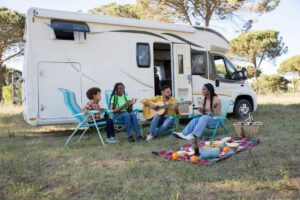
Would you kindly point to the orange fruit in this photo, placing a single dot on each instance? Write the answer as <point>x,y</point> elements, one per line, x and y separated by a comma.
<point>175,156</point>
<point>226,149</point>
<point>194,159</point>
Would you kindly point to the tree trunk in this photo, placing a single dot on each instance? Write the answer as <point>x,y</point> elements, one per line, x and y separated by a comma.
<point>1,81</point>
<point>293,82</point>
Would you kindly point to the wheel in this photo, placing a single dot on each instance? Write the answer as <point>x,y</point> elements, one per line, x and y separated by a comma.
<point>242,108</point>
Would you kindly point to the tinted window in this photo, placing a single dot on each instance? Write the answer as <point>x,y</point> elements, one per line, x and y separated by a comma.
<point>180,64</point>
<point>64,30</point>
<point>143,55</point>
<point>198,63</point>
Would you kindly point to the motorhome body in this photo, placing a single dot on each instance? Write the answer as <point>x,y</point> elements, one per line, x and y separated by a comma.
<point>77,51</point>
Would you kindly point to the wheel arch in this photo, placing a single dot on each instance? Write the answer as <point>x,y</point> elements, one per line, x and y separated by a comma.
<point>246,97</point>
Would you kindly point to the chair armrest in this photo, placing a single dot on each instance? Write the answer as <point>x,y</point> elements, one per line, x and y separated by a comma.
<point>79,114</point>
<point>191,116</point>
<point>218,117</point>
<point>137,110</point>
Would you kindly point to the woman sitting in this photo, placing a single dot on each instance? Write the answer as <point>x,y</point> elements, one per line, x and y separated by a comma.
<point>122,107</point>
<point>210,107</point>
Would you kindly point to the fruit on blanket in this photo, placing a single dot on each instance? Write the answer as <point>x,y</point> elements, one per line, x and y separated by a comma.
<point>194,159</point>
<point>226,149</point>
<point>175,156</point>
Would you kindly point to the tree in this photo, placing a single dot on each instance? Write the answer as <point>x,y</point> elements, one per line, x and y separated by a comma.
<point>198,11</point>
<point>291,65</point>
<point>270,84</point>
<point>114,9</point>
<point>255,46</point>
<point>144,9</point>
<point>12,25</point>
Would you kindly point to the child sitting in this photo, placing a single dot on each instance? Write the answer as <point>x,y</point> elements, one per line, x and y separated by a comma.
<point>94,95</point>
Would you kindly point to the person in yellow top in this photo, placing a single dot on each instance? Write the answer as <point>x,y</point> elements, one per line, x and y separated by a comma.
<point>160,123</point>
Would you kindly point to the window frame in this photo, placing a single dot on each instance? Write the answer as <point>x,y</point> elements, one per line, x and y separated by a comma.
<point>70,27</point>
<point>225,59</point>
<point>137,53</point>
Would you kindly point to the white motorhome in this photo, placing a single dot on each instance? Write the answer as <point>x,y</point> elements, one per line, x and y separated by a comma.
<point>77,51</point>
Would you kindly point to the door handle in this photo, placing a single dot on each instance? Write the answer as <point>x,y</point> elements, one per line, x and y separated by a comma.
<point>217,82</point>
<point>189,78</point>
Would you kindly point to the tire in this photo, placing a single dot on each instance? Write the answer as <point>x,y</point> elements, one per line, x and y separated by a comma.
<point>242,108</point>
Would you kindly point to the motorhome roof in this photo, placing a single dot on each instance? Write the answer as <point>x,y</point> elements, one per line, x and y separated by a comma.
<point>76,16</point>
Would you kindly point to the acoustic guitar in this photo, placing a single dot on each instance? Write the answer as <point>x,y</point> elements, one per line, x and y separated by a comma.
<point>160,108</point>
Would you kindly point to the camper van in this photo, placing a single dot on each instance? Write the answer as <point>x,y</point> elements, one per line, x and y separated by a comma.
<point>76,51</point>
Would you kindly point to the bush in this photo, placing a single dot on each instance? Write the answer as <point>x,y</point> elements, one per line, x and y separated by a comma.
<point>267,84</point>
<point>8,96</point>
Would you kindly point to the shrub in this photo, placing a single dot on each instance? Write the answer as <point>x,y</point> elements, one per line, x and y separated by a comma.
<point>270,84</point>
<point>8,96</point>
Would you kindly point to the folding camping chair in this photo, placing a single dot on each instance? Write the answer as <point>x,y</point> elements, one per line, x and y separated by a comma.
<point>81,118</point>
<point>213,130</point>
<point>120,122</point>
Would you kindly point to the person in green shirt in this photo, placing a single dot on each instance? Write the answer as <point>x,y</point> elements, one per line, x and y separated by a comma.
<point>122,107</point>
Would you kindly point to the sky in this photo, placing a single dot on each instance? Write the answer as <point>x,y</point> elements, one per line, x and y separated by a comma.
<point>285,19</point>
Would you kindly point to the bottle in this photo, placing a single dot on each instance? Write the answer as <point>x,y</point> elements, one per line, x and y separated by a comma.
<point>196,147</point>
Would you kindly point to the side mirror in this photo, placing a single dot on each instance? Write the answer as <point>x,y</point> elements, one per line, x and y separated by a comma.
<point>217,82</point>
<point>244,73</point>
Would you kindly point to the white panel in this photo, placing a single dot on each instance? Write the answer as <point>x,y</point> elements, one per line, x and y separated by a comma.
<point>54,75</point>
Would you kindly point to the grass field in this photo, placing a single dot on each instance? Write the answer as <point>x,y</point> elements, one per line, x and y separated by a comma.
<point>34,164</point>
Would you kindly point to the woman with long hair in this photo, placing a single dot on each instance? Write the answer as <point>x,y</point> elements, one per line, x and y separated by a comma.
<point>122,107</point>
<point>211,107</point>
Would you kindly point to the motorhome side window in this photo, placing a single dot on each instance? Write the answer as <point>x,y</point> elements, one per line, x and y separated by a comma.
<point>224,68</point>
<point>143,55</point>
<point>68,30</point>
<point>198,63</point>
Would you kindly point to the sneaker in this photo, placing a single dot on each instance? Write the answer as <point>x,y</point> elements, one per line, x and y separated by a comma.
<point>149,137</point>
<point>185,137</point>
<point>110,140</point>
<point>115,139</point>
<point>178,135</point>
<point>189,137</point>
<point>131,139</point>
<point>139,138</point>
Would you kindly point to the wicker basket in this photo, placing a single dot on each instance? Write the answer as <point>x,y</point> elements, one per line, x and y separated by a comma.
<point>247,129</point>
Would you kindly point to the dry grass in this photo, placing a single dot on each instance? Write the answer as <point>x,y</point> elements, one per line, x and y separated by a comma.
<point>35,165</point>
<point>282,99</point>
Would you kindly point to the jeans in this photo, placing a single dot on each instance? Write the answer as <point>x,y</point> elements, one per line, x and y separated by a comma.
<point>110,130</point>
<point>130,120</point>
<point>198,125</point>
<point>159,124</point>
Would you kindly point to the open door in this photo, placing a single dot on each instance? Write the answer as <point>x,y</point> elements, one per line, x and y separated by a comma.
<point>182,89</point>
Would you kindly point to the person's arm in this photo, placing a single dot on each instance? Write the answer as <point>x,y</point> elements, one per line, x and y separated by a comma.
<point>86,108</point>
<point>148,102</point>
<point>200,108</point>
<point>217,106</point>
<point>116,110</point>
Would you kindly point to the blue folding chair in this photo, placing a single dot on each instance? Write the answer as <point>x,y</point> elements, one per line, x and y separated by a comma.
<point>213,130</point>
<point>81,118</point>
<point>120,122</point>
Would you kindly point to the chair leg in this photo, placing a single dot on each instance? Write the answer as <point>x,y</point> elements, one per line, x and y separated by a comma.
<point>141,128</point>
<point>82,135</point>
<point>77,128</point>
<point>224,127</point>
<point>98,130</point>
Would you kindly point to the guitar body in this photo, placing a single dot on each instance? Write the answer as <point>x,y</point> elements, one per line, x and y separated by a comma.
<point>149,113</point>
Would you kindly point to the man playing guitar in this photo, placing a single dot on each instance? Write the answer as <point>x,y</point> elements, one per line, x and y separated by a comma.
<point>160,123</point>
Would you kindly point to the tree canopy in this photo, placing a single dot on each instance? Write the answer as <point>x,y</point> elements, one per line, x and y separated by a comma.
<point>290,65</point>
<point>256,46</point>
<point>12,25</point>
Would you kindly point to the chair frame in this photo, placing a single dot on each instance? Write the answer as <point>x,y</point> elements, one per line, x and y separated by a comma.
<point>83,122</point>
<point>213,130</point>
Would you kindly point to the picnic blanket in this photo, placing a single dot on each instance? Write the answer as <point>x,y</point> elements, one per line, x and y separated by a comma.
<point>225,147</point>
